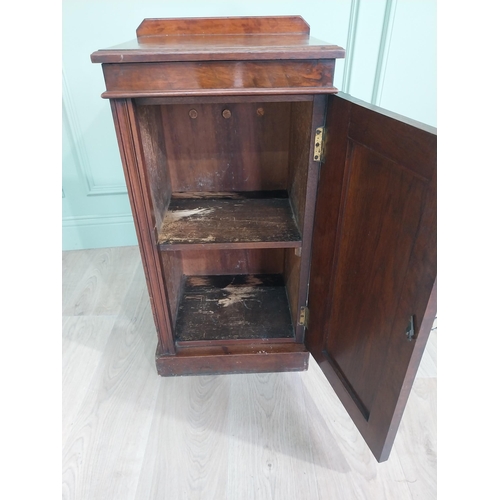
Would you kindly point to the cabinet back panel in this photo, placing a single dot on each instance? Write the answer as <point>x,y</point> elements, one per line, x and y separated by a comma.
<point>254,261</point>
<point>245,151</point>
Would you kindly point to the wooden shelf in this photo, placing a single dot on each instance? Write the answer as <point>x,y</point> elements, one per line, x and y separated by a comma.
<point>233,308</point>
<point>229,221</point>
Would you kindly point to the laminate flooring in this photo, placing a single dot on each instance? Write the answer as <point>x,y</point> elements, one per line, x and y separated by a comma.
<point>129,434</point>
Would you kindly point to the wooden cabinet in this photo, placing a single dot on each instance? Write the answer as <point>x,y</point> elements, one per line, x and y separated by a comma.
<point>276,217</point>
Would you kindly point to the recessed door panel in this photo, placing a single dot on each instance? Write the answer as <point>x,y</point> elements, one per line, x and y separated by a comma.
<point>374,262</point>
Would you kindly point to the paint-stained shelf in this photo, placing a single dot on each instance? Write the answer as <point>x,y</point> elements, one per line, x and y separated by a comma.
<point>261,219</point>
<point>232,308</point>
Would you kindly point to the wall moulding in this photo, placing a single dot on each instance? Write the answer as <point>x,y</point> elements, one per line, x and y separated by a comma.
<point>383,53</point>
<point>80,149</point>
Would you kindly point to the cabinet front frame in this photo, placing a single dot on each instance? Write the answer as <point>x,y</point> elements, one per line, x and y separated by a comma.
<point>310,110</point>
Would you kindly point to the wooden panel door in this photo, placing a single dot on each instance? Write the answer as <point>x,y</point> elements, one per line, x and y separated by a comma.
<point>372,288</point>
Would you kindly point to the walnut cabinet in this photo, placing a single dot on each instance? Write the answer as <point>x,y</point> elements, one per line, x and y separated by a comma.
<point>276,217</point>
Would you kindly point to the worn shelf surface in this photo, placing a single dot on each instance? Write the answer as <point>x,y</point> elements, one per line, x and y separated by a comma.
<point>233,307</point>
<point>229,220</point>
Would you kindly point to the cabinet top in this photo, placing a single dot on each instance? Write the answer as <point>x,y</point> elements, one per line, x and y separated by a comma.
<point>220,38</point>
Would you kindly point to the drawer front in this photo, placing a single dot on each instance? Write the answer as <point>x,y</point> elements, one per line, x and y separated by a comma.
<point>213,77</point>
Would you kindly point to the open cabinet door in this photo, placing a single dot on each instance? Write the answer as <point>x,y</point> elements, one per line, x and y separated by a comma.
<point>372,296</point>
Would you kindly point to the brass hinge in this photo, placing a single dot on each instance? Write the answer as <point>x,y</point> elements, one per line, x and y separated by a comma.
<point>318,144</point>
<point>304,317</point>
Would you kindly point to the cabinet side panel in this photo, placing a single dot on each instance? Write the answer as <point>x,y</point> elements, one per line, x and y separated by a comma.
<point>139,193</point>
<point>292,279</point>
<point>300,133</point>
<point>173,279</point>
<point>153,145</point>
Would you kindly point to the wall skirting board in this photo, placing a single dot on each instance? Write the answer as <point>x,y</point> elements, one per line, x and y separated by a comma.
<point>100,231</point>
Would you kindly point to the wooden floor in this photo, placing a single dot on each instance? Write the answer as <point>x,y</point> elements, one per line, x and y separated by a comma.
<point>130,434</point>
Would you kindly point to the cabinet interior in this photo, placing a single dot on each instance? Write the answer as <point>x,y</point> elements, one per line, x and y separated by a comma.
<point>227,184</point>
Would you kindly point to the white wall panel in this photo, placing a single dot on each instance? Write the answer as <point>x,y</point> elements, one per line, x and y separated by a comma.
<point>409,81</point>
<point>365,26</point>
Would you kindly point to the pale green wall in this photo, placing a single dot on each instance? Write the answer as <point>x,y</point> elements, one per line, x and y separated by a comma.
<point>391,62</point>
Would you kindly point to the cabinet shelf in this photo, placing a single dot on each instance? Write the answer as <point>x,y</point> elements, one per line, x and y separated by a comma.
<point>229,221</point>
<point>233,307</point>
